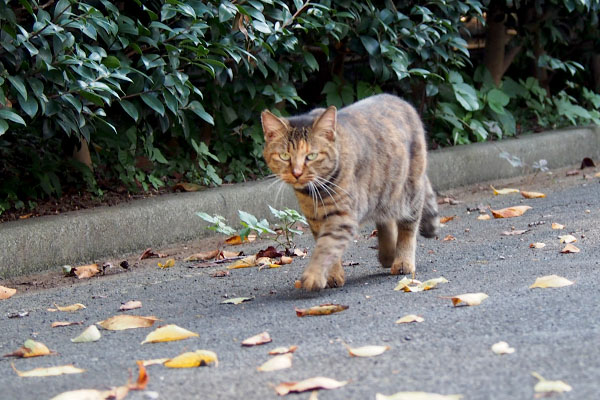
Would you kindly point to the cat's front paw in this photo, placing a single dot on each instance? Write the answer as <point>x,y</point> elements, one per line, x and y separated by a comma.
<point>336,276</point>
<point>402,268</point>
<point>313,280</point>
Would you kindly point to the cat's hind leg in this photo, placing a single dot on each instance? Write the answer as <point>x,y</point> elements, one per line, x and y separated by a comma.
<point>430,221</point>
<point>404,261</point>
<point>387,236</point>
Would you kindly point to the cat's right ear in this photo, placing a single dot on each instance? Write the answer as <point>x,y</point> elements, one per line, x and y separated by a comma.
<point>273,126</point>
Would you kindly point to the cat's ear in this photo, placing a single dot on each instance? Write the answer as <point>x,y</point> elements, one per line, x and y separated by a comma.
<point>325,125</point>
<point>272,125</point>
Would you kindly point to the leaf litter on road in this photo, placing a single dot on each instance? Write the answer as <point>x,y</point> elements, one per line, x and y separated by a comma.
<point>502,348</point>
<point>319,382</point>
<point>69,308</point>
<point>503,191</point>
<point>87,271</point>
<point>130,305</point>
<point>510,212</point>
<point>570,248</point>
<point>6,293</point>
<point>193,359</point>
<point>49,371</point>
<point>413,285</point>
<point>557,226</point>
<point>261,338</point>
<point>366,351</point>
<point>283,350</point>
<point>276,363</point>
<point>567,239</point>
<point>168,333</point>
<point>537,245</point>
<point>30,348</point>
<point>545,386</point>
<point>126,321</point>
<point>237,300</point>
<point>467,299</point>
<point>323,309</point>
<point>551,281</point>
<point>409,318</point>
<point>532,195</point>
<point>90,334</point>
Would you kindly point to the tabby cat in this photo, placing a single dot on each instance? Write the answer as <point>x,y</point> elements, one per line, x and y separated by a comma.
<point>364,162</point>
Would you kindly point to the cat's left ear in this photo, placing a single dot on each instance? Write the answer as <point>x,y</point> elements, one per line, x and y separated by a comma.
<point>325,125</point>
<point>272,125</point>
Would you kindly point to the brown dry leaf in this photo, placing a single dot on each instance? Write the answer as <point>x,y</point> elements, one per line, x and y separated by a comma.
<point>142,380</point>
<point>502,348</point>
<point>87,271</point>
<point>276,363</point>
<point>148,253</point>
<point>515,232</point>
<point>30,348</point>
<point>5,292</point>
<point>91,334</point>
<point>300,253</point>
<point>572,172</point>
<point>556,225</point>
<point>367,351</point>
<point>449,238</point>
<point>323,309</point>
<point>443,220</point>
<point>570,248</point>
<point>193,359</point>
<point>418,396</point>
<point>318,382</point>
<point>130,305</point>
<point>567,239</point>
<point>245,262</point>
<point>187,187</point>
<point>255,340</point>
<point>58,324</point>
<point>410,318</point>
<point>220,274</point>
<point>413,285</point>
<point>484,217</point>
<point>270,252</point>
<point>237,239</point>
<point>168,264</point>
<point>266,262</point>
<point>546,386</point>
<point>284,260</point>
<point>537,245</point>
<point>469,299</point>
<point>298,284</point>
<point>50,371</point>
<point>203,256</point>
<point>503,191</point>
<point>168,333</point>
<point>125,321</point>
<point>532,195</point>
<point>551,281</point>
<point>510,212</point>
<point>283,350</point>
<point>225,254</point>
<point>71,308</point>
<point>237,300</point>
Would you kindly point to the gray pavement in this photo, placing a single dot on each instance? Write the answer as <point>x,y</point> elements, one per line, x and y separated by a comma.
<point>555,332</point>
<point>73,238</point>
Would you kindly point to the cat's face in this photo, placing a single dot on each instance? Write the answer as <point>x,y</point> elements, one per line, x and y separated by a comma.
<point>301,155</point>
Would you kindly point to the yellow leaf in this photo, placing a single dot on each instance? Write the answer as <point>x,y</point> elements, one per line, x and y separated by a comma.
<point>203,256</point>
<point>130,305</point>
<point>510,212</point>
<point>323,309</point>
<point>237,300</point>
<point>276,363</point>
<point>91,334</point>
<point>319,382</point>
<point>5,292</point>
<point>50,371</point>
<point>367,351</point>
<point>551,281</point>
<point>410,318</point>
<point>187,186</point>
<point>86,271</point>
<point>567,239</point>
<point>413,285</point>
<point>503,191</point>
<point>168,333</point>
<point>125,321</point>
<point>117,393</point>
<point>168,264</point>
<point>245,262</point>
<point>30,348</point>
<point>556,225</point>
<point>237,239</point>
<point>418,396</point>
<point>255,340</point>
<point>484,217</point>
<point>282,350</point>
<point>58,324</point>
<point>569,248</point>
<point>532,195</point>
<point>502,348</point>
<point>193,359</point>
<point>154,361</point>
<point>469,299</point>
<point>537,245</point>
<point>71,308</point>
<point>546,386</point>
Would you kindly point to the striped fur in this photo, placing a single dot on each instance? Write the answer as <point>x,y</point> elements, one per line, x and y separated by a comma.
<point>364,162</point>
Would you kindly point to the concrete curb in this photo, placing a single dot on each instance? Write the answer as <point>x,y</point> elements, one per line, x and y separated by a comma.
<point>78,237</point>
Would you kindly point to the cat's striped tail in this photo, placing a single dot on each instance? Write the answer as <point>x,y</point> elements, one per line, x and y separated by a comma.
<point>430,221</point>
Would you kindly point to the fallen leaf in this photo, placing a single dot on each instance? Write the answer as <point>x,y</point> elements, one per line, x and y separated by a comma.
<point>117,393</point>
<point>410,318</point>
<point>255,340</point>
<point>125,321</point>
<point>30,348</point>
<point>50,371</point>
<point>532,195</point>
<point>5,292</point>
<point>443,220</point>
<point>449,238</point>
<point>192,359</point>
<point>142,380</point>
<point>237,300</point>
<point>572,173</point>
<point>19,314</point>
<point>504,191</point>
<point>168,333</point>
<point>418,396</point>
<point>515,232</point>
<point>367,351</point>
<point>469,299</point>
<point>546,386</point>
<point>284,260</point>
<point>318,382</point>
<point>551,281</point>
<point>148,253</point>
<point>266,262</point>
<point>203,256</point>
<point>130,305</point>
<point>510,212</point>
<point>314,395</point>
<point>154,361</point>
<point>276,363</point>
<point>597,175</point>
<point>237,239</point>
<point>168,264</point>
<point>282,350</point>
<point>556,225</point>
<point>58,324</point>
<point>299,253</point>
<point>220,274</point>
<point>298,284</point>
<point>567,239</point>
<point>270,252</point>
<point>187,187</point>
<point>587,163</point>
<point>413,285</point>
<point>245,262</point>
<point>502,348</point>
<point>91,334</point>
<point>323,309</point>
<point>484,217</point>
<point>449,200</point>
<point>71,308</point>
<point>537,245</point>
<point>87,271</point>
<point>569,248</point>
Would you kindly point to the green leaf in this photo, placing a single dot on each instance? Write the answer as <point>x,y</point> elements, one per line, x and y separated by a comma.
<point>3,127</point>
<point>29,106</point>
<point>497,100</point>
<point>197,108</point>
<point>311,61</point>
<point>371,45</point>
<point>151,99</point>
<point>130,109</point>
<point>11,116</point>
<point>111,62</point>
<point>17,83</point>
<point>466,95</point>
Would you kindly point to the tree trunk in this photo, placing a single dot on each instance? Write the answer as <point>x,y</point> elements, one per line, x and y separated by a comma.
<point>495,41</point>
<point>81,153</point>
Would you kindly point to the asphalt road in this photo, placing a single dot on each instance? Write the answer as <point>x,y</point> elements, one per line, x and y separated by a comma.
<point>555,332</point>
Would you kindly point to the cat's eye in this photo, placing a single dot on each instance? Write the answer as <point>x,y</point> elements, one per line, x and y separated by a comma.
<point>284,156</point>
<point>311,156</point>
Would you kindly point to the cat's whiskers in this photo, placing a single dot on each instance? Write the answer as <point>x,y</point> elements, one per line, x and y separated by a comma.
<point>329,193</point>
<point>312,190</point>
<point>281,185</point>
<point>327,181</point>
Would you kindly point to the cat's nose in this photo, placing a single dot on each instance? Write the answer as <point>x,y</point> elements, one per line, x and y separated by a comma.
<point>297,172</point>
